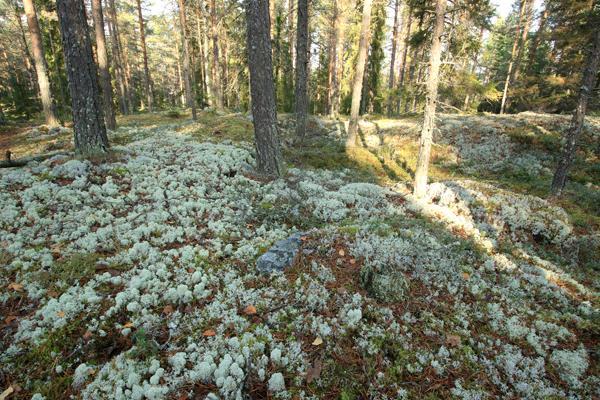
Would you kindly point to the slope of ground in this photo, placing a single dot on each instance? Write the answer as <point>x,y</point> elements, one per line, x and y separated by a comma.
<point>135,277</point>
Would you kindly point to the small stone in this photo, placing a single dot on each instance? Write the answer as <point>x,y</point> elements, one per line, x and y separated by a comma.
<point>281,255</point>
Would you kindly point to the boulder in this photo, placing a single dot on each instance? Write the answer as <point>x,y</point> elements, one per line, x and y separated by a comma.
<point>281,255</point>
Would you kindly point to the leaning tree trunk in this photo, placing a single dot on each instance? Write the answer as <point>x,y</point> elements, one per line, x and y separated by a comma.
<point>359,74</point>
<point>392,78</point>
<point>109,114</point>
<point>513,54</point>
<point>40,64</point>
<point>301,69</point>
<point>88,119</point>
<point>262,88</point>
<point>189,94</point>
<point>147,86</point>
<point>430,104</point>
<point>572,135</point>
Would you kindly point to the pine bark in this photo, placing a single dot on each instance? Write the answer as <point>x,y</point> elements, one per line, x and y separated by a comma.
<point>126,100</point>
<point>422,168</point>
<point>588,82</point>
<point>392,78</point>
<point>359,73</point>
<point>339,57</point>
<point>301,69</point>
<point>405,46</point>
<point>513,55</point>
<point>147,84</point>
<point>189,94</point>
<point>214,65</point>
<point>41,67</point>
<point>262,88</point>
<point>98,17</point>
<point>88,119</point>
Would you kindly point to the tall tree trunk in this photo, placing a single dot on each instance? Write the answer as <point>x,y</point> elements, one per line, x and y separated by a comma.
<point>513,54</point>
<point>180,74</point>
<point>431,102</point>
<point>109,114</point>
<point>29,63</point>
<point>40,64</point>
<point>539,35</point>
<point>290,27</point>
<point>262,88</point>
<point>588,80</point>
<point>523,41</point>
<point>88,119</point>
<point>359,73</point>
<point>203,55</point>
<point>147,85</point>
<point>127,105</point>
<point>117,67</point>
<point>214,66</point>
<point>392,78</point>
<point>339,56</point>
<point>332,56</point>
<point>189,94</point>
<point>301,69</point>
<point>405,44</point>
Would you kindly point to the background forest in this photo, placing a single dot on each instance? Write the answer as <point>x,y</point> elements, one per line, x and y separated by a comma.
<point>543,45</point>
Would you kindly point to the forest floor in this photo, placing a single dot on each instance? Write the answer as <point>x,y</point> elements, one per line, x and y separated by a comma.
<point>134,277</point>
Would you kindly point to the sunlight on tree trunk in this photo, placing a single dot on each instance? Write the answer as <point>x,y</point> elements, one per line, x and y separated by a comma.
<point>359,74</point>
<point>40,64</point>
<point>513,55</point>
<point>431,101</point>
<point>147,85</point>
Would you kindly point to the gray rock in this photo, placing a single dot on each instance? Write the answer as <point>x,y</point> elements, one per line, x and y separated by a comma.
<point>281,255</point>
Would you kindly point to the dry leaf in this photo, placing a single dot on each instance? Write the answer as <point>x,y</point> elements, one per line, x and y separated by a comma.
<point>314,371</point>
<point>60,314</point>
<point>6,393</point>
<point>352,261</point>
<point>453,340</point>
<point>168,309</point>
<point>342,253</point>
<point>466,275</point>
<point>87,335</point>
<point>318,341</point>
<point>209,333</point>
<point>128,325</point>
<point>10,319</point>
<point>250,310</point>
<point>17,287</point>
<point>191,270</point>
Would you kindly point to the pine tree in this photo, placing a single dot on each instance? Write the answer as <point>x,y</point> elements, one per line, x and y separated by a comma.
<point>88,119</point>
<point>41,67</point>
<point>98,17</point>
<point>147,84</point>
<point>262,88</point>
<point>421,171</point>
<point>588,82</point>
<point>359,74</point>
<point>302,69</point>
<point>189,94</point>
